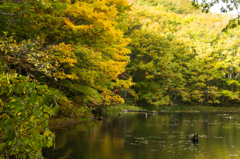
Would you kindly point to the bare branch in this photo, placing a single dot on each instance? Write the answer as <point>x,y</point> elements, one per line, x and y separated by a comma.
<point>2,13</point>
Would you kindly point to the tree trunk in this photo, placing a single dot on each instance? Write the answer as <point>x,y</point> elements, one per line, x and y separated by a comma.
<point>60,86</point>
<point>7,155</point>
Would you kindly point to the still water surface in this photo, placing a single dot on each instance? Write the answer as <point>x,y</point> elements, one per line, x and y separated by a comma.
<point>135,136</point>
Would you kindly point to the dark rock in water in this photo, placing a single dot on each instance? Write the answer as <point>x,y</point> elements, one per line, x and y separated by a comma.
<point>194,137</point>
<point>100,118</point>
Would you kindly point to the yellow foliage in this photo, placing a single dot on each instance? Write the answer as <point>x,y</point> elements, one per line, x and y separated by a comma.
<point>124,84</point>
<point>110,98</point>
<point>120,3</point>
<point>82,28</point>
<point>51,60</point>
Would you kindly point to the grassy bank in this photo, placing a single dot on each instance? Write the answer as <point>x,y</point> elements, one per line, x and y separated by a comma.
<point>123,107</point>
<point>199,109</point>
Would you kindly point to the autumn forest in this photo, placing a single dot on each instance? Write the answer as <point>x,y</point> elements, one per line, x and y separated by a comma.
<point>62,57</point>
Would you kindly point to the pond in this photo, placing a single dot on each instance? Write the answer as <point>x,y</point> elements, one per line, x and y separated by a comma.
<point>164,135</point>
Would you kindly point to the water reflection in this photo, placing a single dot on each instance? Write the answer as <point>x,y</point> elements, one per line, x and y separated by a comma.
<point>164,135</point>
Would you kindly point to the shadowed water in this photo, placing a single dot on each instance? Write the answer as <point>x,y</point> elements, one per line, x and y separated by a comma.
<point>165,135</point>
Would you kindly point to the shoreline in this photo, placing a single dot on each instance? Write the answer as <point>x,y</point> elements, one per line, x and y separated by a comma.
<point>61,122</point>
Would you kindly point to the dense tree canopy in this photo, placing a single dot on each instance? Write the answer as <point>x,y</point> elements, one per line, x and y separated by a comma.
<point>63,57</point>
<point>172,62</point>
<point>72,46</point>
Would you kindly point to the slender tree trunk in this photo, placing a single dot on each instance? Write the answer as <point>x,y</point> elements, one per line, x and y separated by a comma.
<point>7,155</point>
<point>60,86</point>
<point>175,93</point>
<point>125,93</point>
<point>231,87</point>
<point>208,83</point>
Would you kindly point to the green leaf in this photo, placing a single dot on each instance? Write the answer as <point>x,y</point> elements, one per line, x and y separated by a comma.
<point>45,99</point>
<point>33,98</point>
<point>40,154</point>
<point>3,150</point>
<point>4,119</point>
<point>54,111</point>
<point>46,109</point>
<point>18,109</point>
<point>9,137</point>
<point>31,130</point>
<point>9,121</point>
<point>19,144</point>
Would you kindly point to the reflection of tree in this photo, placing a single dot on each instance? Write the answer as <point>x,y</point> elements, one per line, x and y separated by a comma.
<point>135,136</point>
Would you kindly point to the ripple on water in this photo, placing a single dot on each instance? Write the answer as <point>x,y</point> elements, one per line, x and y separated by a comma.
<point>164,132</point>
<point>172,136</point>
<point>218,137</point>
<point>157,137</point>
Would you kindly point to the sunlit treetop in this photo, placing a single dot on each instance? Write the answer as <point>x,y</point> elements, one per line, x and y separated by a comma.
<point>176,6</point>
<point>226,7</point>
